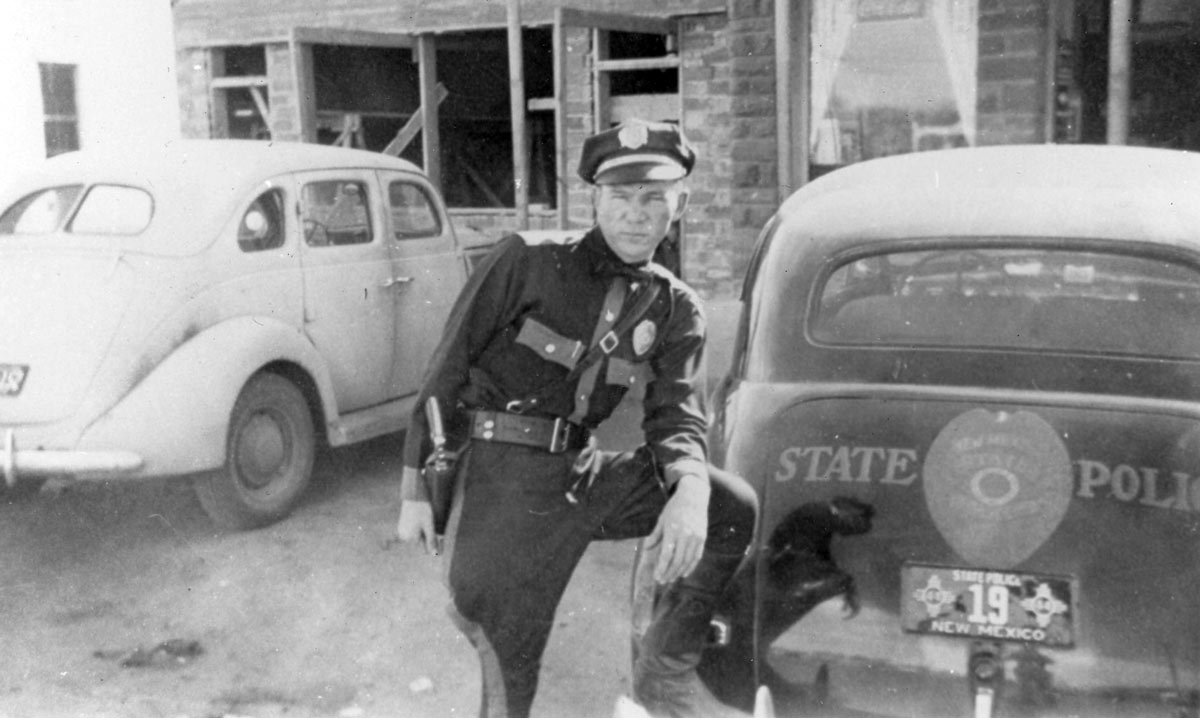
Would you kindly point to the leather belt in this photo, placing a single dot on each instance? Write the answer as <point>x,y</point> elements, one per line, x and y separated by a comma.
<point>553,435</point>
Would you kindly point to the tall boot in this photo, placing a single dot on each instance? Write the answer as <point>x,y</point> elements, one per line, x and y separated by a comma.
<point>664,673</point>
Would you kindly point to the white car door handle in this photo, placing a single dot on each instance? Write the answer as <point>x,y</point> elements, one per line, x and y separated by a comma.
<point>393,281</point>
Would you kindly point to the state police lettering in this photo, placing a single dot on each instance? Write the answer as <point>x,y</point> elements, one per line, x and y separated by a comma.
<point>887,465</point>
<point>901,466</point>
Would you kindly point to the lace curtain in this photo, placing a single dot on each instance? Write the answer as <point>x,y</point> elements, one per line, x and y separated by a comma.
<point>833,23</point>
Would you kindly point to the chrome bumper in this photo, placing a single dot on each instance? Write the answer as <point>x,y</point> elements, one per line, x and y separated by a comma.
<point>35,462</point>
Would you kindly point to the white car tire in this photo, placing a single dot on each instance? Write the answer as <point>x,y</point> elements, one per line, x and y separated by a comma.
<point>269,456</point>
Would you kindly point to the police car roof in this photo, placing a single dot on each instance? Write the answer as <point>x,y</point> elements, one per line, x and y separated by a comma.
<point>1103,192</point>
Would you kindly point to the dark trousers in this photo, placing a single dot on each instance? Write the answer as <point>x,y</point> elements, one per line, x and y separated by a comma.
<point>514,540</point>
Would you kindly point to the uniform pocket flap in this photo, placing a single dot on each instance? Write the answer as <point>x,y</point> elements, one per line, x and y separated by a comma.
<point>549,344</point>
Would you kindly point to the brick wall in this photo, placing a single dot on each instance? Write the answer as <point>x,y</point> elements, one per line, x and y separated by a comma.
<point>284,106</point>
<point>752,158</point>
<point>580,122</point>
<point>706,86</point>
<point>1012,71</point>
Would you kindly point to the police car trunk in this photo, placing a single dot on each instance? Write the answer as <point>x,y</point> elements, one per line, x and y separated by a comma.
<point>1019,411</point>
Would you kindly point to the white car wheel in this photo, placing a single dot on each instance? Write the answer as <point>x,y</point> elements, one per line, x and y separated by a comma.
<point>269,456</point>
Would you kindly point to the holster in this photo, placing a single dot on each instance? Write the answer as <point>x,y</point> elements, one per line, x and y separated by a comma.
<point>440,473</point>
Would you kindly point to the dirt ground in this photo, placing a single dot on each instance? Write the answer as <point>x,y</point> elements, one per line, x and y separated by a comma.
<point>122,601</point>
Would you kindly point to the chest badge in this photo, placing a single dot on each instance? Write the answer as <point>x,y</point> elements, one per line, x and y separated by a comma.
<point>643,336</point>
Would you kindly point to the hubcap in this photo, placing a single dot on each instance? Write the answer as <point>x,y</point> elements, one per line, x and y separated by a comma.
<point>261,450</point>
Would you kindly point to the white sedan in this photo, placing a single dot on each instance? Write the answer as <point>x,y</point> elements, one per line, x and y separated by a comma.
<point>214,308</point>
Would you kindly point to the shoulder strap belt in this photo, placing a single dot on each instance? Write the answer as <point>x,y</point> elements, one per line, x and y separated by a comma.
<point>613,303</point>
<point>602,346</point>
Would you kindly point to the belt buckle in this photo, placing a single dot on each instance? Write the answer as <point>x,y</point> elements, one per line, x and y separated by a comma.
<point>560,434</point>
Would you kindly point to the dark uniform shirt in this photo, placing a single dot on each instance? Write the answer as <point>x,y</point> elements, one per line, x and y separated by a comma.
<point>529,311</point>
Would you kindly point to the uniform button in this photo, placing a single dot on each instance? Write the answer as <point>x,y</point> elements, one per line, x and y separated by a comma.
<point>487,435</point>
<point>489,424</point>
<point>609,316</point>
<point>583,397</point>
<point>550,348</point>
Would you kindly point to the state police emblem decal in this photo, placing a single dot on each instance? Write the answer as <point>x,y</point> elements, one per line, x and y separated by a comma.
<point>643,336</point>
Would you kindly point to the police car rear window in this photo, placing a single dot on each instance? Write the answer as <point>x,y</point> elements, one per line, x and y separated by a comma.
<point>1013,298</point>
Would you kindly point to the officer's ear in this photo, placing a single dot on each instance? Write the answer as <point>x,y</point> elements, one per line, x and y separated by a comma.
<point>680,204</point>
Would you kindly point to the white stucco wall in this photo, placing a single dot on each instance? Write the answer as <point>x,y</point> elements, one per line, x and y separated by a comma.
<point>125,77</point>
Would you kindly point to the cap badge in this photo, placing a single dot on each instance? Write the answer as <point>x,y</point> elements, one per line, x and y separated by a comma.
<point>634,135</point>
<point>643,336</point>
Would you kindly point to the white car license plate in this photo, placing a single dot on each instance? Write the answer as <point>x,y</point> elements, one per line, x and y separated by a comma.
<point>988,604</point>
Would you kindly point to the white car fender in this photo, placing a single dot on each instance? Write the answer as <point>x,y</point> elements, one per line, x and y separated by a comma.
<point>177,417</point>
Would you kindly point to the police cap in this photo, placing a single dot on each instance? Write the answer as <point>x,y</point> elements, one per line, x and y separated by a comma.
<point>636,151</point>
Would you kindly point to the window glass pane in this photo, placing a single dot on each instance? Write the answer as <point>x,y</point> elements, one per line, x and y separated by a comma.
<point>412,213</point>
<point>41,212</point>
<point>335,212</point>
<point>262,224</point>
<point>892,76</point>
<point>1042,299</point>
<point>61,136</point>
<point>113,209</point>
<point>243,60</point>
<point>58,89</point>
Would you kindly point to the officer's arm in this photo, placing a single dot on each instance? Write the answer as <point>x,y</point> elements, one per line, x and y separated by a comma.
<point>674,421</point>
<point>477,313</point>
<point>675,428</point>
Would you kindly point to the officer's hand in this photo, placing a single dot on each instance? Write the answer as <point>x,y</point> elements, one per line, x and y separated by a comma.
<point>416,526</point>
<point>681,530</point>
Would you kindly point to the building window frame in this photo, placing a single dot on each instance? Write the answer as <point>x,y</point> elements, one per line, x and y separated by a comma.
<point>232,84</point>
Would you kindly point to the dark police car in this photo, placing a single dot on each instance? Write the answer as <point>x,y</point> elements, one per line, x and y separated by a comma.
<point>966,386</point>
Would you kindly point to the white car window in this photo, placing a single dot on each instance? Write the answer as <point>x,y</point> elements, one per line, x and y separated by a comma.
<point>413,213</point>
<point>113,209</point>
<point>261,226</point>
<point>335,212</point>
<point>42,212</point>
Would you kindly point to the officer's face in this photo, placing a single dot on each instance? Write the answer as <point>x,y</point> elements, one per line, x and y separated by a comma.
<point>635,217</point>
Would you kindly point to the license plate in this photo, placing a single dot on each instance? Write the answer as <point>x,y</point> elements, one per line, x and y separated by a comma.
<point>988,604</point>
<point>12,378</point>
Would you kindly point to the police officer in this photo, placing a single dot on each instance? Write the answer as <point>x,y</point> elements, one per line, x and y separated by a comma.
<point>541,346</point>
